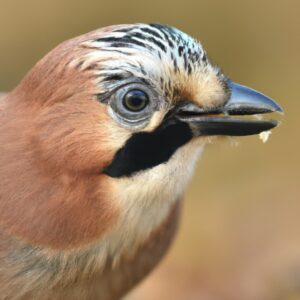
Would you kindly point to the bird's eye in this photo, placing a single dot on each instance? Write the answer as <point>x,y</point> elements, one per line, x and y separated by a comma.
<point>132,105</point>
<point>135,100</point>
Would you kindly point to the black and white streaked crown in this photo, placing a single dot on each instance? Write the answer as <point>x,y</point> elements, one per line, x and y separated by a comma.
<point>156,53</point>
<point>160,39</point>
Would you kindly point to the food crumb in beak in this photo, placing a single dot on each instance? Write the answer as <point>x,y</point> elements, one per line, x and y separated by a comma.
<point>264,136</point>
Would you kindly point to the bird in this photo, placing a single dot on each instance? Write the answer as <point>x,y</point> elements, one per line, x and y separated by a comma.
<point>98,143</point>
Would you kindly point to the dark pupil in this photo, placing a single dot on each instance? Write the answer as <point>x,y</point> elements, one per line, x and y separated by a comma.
<point>135,100</point>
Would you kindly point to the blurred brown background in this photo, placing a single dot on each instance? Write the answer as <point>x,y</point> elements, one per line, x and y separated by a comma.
<point>240,231</point>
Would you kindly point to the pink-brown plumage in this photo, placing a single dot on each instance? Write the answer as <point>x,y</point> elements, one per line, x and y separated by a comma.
<point>89,191</point>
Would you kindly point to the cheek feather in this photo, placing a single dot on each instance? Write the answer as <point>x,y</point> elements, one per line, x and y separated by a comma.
<point>74,136</point>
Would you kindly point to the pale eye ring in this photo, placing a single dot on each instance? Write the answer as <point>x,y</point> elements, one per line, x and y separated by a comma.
<point>133,104</point>
<point>135,100</point>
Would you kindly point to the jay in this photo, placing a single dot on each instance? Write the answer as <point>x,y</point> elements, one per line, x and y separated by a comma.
<point>97,145</point>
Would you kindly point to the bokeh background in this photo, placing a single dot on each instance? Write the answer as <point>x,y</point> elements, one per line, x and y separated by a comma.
<point>240,230</point>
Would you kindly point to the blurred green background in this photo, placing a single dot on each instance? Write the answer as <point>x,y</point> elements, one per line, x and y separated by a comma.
<point>240,230</point>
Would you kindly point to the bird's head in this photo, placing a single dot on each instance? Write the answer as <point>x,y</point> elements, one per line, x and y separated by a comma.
<point>121,115</point>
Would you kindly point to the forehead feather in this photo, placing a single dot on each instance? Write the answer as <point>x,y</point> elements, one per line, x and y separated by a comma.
<point>160,54</point>
<point>148,47</point>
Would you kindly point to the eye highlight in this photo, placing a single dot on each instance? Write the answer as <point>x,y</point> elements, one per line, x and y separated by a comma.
<point>135,100</point>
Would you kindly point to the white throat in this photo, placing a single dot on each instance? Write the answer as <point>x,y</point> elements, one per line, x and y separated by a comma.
<point>146,198</point>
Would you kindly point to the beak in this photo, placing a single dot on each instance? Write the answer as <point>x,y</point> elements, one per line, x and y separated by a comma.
<point>224,121</point>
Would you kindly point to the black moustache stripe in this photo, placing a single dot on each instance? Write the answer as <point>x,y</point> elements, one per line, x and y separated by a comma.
<point>145,150</point>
